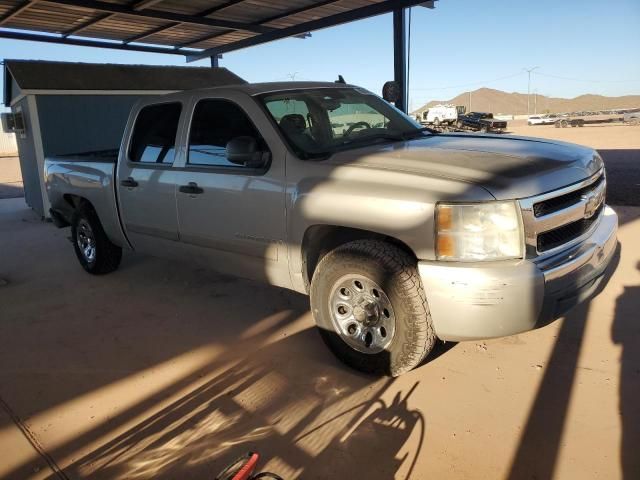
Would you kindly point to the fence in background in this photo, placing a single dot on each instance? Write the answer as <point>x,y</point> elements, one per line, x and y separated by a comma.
<point>8,145</point>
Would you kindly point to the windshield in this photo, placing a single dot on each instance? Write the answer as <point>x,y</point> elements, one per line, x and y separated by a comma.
<point>321,121</point>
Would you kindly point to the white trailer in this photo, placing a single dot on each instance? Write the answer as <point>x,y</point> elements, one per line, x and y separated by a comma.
<point>441,115</point>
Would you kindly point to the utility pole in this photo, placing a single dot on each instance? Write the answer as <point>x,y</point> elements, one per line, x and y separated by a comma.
<point>469,100</point>
<point>529,70</point>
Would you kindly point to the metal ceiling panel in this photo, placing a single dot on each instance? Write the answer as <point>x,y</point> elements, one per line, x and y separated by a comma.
<point>213,25</point>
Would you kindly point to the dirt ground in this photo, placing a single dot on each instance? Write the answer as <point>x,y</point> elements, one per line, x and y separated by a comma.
<point>162,370</point>
<point>618,144</point>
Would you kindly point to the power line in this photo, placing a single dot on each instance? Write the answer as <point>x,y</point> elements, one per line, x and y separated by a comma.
<point>473,83</point>
<point>584,79</point>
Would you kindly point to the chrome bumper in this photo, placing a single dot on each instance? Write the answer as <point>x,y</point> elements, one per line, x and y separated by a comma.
<point>475,301</point>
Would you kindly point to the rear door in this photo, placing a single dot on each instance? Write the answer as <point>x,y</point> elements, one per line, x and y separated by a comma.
<point>146,178</point>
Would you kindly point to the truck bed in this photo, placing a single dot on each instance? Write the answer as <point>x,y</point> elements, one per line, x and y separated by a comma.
<point>89,176</point>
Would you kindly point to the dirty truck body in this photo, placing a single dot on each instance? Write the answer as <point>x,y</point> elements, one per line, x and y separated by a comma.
<point>399,235</point>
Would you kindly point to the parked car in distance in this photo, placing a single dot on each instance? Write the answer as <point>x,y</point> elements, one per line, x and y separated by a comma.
<point>632,118</point>
<point>398,234</point>
<point>483,122</point>
<point>541,120</point>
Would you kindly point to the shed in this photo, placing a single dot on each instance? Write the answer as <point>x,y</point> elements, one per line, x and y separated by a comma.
<point>60,108</point>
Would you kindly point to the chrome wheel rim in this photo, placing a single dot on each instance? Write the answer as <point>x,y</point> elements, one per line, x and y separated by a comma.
<point>86,241</point>
<point>362,314</point>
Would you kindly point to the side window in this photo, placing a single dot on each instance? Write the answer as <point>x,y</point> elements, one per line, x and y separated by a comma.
<point>154,134</point>
<point>214,123</point>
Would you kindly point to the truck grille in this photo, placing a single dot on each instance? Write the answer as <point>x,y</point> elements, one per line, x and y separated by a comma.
<point>563,201</point>
<point>565,234</point>
<point>560,218</point>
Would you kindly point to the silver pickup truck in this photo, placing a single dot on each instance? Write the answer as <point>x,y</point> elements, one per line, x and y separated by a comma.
<point>398,234</point>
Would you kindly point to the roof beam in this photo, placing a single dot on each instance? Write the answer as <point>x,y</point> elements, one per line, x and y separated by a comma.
<point>265,20</point>
<point>204,13</point>
<point>87,24</point>
<point>88,43</point>
<point>145,4</point>
<point>330,21</point>
<point>136,6</point>
<point>16,11</point>
<point>117,8</point>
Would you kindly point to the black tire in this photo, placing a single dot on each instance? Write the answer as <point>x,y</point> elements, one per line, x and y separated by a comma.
<point>459,124</point>
<point>106,257</point>
<point>436,122</point>
<point>396,272</point>
<point>484,129</point>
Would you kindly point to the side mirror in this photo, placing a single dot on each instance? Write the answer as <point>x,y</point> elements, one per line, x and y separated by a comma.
<point>244,151</point>
<point>391,91</point>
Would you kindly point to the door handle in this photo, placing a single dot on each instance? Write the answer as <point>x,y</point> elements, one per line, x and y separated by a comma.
<point>192,189</point>
<point>129,182</point>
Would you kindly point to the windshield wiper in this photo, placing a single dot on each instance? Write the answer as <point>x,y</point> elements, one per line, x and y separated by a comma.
<point>395,137</point>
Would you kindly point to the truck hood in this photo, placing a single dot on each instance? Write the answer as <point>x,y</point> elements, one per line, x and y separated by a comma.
<point>509,167</point>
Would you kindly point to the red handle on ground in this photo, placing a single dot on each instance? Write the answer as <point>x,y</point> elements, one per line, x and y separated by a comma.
<point>245,472</point>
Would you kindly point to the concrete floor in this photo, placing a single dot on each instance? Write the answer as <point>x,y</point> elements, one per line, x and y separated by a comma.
<point>162,370</point>
<point>10,178</point>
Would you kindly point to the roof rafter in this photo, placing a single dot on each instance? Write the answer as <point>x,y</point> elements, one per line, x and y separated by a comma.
<point>17,11</point>
<point>265,20</point>
<point>332,20</point>
<point>204,13</point>
<point>116,8</point>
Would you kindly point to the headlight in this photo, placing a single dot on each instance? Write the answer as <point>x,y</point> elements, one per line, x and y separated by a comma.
<point>478,231</point>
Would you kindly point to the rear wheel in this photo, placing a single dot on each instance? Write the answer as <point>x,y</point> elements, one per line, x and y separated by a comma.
<point>484,129</point>
<point>94,250</point>
<point>436,122</point>
<point>370,307</point>
<point>459,124</point>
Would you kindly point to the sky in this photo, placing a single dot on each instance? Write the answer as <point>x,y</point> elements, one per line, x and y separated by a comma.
<point>580,46</point>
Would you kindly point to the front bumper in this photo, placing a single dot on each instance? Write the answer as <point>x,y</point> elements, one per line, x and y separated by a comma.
<point>476,301</point>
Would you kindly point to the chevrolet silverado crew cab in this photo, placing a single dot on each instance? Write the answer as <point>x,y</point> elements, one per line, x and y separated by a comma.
<point>399,235</point>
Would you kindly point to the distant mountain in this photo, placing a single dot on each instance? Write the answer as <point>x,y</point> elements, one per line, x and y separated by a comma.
<point>497,101</point>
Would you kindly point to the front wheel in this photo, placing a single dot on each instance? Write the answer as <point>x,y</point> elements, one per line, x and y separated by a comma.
<point>484,129</point>
<point>94,250</point>
<point>370,307</point>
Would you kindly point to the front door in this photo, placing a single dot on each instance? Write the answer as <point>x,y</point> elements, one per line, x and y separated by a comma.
<point>231,216</point>
<point>146,181</point>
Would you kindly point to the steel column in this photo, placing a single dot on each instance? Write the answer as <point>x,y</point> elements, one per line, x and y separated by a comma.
<point>400,56</point>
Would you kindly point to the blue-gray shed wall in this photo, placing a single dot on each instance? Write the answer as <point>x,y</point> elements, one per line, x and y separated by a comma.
<point>28,160</point>
<point>82,123</point>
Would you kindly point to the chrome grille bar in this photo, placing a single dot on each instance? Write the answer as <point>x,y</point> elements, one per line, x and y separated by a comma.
<point>534,226</point>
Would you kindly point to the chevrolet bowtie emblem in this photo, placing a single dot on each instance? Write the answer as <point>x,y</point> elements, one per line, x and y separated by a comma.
<point>593,200</point>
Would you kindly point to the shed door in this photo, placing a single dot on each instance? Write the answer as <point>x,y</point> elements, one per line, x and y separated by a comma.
<point>146,179</point>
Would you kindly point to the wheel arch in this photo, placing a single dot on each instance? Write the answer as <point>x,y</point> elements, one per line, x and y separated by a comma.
<point>320,239</point>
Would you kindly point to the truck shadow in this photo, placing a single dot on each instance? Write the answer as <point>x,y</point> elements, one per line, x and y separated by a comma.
<point>539,446</point>
<point>319,421</point>
<point>623,175</point>
<point>626,333</point>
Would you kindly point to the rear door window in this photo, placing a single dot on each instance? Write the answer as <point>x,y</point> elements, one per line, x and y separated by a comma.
<point>154,134</point>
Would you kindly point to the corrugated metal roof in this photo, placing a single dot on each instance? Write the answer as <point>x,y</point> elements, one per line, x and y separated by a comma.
<point>188,26</point>
<point>41,75</point>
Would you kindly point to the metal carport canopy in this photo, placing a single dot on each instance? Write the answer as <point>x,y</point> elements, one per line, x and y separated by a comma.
<point>194,28</point>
